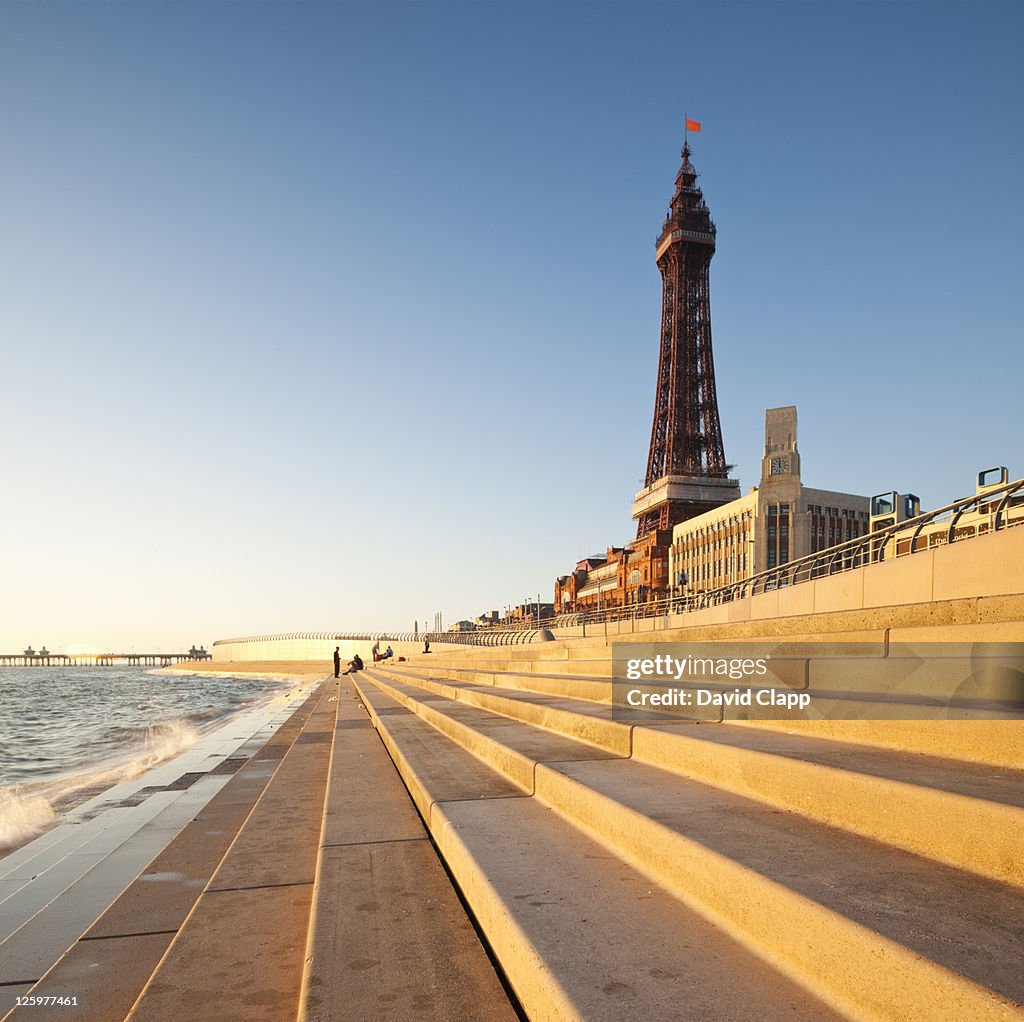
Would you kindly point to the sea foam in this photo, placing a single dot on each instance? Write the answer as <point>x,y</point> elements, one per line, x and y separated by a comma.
<point>22,816</point>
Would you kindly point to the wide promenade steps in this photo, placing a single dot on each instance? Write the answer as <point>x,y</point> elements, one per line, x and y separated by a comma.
<point>711,871</point>
<point>696,870</point>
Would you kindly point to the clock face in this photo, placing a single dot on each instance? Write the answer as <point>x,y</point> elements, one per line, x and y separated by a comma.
<point>780,465</point>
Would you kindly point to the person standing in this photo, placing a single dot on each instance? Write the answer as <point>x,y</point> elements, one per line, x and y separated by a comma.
<point>337,660</point>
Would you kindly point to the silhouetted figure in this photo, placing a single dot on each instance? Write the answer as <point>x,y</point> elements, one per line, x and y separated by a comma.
<point>337,660</point>
<point>426,645</point>
<point>355,664</point>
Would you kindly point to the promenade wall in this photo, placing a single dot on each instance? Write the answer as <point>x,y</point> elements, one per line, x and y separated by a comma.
<point>985,566</point>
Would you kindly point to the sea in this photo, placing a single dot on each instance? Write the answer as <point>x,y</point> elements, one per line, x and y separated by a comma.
<point>67,733</point>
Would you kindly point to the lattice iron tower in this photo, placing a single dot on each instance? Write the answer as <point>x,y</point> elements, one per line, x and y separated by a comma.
<point>686,469</point>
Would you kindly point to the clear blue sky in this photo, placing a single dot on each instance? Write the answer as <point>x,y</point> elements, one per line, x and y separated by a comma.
<point>335,315</point>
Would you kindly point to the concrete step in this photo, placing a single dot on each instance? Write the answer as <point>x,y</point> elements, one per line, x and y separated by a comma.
<point>389,938</point>
<point>995,743</point>
<point>593,687</point>
<point>834,782</point>
<point>579,932</point>
<point>803,894</point>
<point>507,745</point>
<point>581,718</point>
<point>599,667</point>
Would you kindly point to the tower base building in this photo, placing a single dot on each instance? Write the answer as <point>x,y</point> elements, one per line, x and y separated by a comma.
<point>778,521</point>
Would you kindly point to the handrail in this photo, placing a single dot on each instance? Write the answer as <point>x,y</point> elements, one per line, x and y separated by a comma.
<point>852,553</point>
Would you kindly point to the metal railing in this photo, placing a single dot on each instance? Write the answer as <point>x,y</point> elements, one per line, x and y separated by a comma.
<point>940,527</point>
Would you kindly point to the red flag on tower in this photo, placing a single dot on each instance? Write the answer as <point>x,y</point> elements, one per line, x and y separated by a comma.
<point>692,125</point>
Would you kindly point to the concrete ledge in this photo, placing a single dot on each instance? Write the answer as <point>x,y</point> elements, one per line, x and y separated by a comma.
<point>997,742</point>
<point>987,839</point>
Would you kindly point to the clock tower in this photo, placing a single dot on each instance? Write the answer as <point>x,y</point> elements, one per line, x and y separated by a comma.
<point>781,458</point>
<point>780,536</point>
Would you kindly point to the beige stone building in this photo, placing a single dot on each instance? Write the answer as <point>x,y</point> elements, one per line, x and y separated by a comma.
<point>779,521</point>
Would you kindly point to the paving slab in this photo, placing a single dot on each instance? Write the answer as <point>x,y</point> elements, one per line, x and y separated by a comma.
<point>9,994</point>
<point>239,959</point>
<point>394,942</point>
<point>36,895</point>
<point>11,865</point>
<point>101,974</point>
<point>366,802</point>
<point>42,939</point>
<point>163,894</point>
<point>277,844</point>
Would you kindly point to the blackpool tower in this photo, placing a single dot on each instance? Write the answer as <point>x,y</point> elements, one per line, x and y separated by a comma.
<point>686,469</point>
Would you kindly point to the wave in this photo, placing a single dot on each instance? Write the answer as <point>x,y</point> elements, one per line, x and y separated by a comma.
<point>22,816</point>
<point>155,744</point>
<point>118,752</point>
<point>27,810</point>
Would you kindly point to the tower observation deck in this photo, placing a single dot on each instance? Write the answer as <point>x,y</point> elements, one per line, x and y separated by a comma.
<point>686,469</point>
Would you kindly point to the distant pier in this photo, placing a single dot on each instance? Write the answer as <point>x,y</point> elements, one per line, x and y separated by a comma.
<point>44,658</point>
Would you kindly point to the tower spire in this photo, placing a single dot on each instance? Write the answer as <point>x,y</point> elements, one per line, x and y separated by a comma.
<point>686,468</point>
